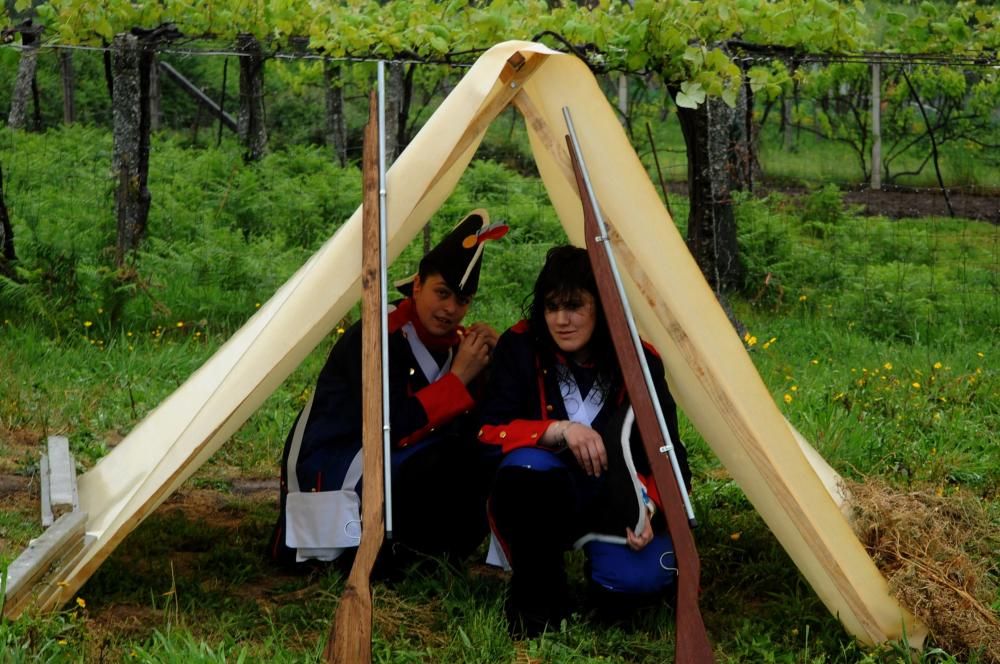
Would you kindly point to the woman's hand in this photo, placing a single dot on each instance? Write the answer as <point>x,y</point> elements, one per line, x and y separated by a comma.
<point>637,542</point>
<point>588,448</point>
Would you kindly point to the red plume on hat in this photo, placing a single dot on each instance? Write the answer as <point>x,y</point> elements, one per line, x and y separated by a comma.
<point>458,256</point>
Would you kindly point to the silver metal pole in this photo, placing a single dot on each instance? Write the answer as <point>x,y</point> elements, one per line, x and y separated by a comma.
<point>383,252</point>
<point>605,241</point>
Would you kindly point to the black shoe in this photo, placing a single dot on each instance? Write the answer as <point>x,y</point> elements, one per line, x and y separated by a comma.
<point>536,604</point>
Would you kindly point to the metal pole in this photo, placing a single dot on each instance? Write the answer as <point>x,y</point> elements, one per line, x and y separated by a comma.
<point>383,284</point>
<point>605,241</point>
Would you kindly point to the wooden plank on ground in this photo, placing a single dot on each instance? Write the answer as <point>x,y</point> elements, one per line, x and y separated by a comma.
<point>62,477</point>
<point>46,504</point>
<point>36,560</point>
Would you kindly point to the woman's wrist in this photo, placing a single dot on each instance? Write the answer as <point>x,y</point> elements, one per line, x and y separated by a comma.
<point>557,434</point>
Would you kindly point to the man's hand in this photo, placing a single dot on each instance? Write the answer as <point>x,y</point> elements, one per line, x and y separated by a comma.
<point>474,352</point>
<point>588,448</point>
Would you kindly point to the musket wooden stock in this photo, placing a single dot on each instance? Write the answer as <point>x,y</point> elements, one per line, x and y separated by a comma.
<point>350,639</point>
<point>692,645</point>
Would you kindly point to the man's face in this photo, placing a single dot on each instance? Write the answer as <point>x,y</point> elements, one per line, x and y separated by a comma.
<point>439,308</point>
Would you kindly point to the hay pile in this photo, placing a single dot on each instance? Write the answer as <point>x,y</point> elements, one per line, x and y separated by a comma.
<point>940,556</point>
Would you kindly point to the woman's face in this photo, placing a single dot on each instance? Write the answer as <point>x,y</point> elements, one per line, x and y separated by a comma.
<point>571,320</point>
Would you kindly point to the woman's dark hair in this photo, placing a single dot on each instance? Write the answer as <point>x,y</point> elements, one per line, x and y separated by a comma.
<point>566,272</point>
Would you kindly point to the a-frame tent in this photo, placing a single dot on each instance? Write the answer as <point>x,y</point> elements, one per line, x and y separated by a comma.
<point>710,373</point>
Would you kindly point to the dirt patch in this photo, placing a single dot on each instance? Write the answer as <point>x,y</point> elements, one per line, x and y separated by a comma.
<point>896,204</point>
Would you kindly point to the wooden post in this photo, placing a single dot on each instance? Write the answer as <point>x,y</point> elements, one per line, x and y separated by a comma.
<point>252,131</point>
<point>336,123</point>
<point>68,86</point>
<point>199,96</point>
<point>130,159</point>
<point>876,181</point>
<point>350,639</point>
<point>7,254</point>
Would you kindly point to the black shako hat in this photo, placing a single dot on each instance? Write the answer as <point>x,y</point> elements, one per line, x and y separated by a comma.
<point>458,256</point>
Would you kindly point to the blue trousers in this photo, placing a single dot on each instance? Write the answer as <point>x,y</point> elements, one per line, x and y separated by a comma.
<point>540,503</point>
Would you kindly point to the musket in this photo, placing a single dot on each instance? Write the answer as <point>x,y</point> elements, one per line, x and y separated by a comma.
<point>350,637</point>
<point>692,645</point>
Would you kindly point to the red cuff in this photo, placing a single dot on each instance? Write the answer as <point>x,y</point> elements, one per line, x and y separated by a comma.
<point>514,434</point>
<point>443,400</point>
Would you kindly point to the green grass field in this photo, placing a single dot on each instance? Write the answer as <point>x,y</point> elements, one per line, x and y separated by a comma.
<point>875,337</point>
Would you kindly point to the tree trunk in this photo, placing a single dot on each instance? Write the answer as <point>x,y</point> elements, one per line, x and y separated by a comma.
<point>7,255</point>
<point>719,155</point>
<point>398,96</point>
<point>24,83</point>
<point>250,122</point>
<point>336,125</point>
<point>130,162</point>
<point>68,86</point>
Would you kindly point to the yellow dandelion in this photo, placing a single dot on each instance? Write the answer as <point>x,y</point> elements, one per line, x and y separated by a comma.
<point>746,337</point>
<point>815,361</point>
<point>788,398</point>
<point>197,334</point>
<point>937,365</point>
<point>87,323</point>
<point>794,388</point>
<point>80,602</point>
<point>180,323</point>
<point>887,366</point>
<point>257,306</point>
<point>803,298</point>
<point>128,334</point>
<point>340,330</point>
<point>61,642</point>
<point>767,344</point>
<point>752,341</point>
<point>916,385</point>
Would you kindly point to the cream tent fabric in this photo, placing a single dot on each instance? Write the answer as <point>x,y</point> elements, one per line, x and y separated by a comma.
<point>708,369</point>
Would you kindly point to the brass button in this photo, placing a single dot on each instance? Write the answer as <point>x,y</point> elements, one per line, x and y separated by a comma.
<point>548,407</point>
<point>503,434</point>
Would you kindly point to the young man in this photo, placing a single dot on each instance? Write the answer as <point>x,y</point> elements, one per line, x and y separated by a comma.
<point>440,475</point>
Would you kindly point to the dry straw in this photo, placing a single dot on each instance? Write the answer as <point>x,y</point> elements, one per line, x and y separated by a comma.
<point>939,554</point>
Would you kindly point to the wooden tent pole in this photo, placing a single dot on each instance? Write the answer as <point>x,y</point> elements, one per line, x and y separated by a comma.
<point>350,637</point>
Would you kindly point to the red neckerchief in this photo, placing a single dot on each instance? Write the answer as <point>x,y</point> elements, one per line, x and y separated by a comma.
<point>406,312</point>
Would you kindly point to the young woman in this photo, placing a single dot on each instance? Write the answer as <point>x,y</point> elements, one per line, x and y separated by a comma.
<point>555,405</point>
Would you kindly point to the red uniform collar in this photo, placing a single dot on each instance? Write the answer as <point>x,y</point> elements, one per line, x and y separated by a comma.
<point>406,312</point>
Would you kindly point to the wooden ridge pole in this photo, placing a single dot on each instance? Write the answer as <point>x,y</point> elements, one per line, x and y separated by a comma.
<point>350,637</point>
<point>692,645</point>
